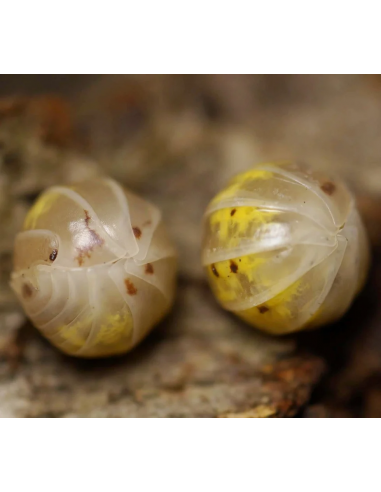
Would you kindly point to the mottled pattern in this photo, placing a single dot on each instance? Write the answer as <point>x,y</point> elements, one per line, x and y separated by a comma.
<point>284,247</point>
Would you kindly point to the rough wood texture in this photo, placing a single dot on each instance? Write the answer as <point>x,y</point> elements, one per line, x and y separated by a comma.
<point>177,140</point>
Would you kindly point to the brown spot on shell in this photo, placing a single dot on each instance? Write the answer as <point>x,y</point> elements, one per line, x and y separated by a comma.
<point>328,187</point>
<point>233,212</point>
<point>130,287</point>
<point>149,269</point>
<point>233,266</point>
<point>53,255</point>
<point>26,291</point>
<point>137,232</point>
<point>263,309</point>
<point>214,270</point>
<point>95,240</point>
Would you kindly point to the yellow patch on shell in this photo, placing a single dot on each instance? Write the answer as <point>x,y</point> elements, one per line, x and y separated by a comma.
<point>234,223</point>
<point>231,225</point>
<point>278,312</point>
<point>113,336</point>
<point>223,277</point>
<point>41,207</point>
<point>76,334</point>
<point>116,327</point>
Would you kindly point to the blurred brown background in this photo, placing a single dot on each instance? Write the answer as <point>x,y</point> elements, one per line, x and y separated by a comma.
<point>177,140</point>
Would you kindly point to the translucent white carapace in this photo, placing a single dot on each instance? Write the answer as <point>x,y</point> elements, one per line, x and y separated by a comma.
<point>94,268</point>
<point>284,247</point>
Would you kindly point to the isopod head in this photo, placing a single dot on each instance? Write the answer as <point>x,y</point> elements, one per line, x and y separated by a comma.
<point>94,268</point>
<point>284,247</point>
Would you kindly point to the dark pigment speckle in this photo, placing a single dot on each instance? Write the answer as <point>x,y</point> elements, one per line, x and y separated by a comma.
<point>233,266</point>
<point>328,187</point>
<point>137,232</point>
<point>130,287</point>
<point>53,255</point>
<point>263,309</point>
<point>26,291</point>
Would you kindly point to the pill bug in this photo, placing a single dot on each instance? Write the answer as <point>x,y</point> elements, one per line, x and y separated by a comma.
<point>94,268</point>
<point>284,247</point>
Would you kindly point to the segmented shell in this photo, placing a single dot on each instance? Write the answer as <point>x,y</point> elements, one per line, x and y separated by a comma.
<point>94,268</point>
<point>284,247</point>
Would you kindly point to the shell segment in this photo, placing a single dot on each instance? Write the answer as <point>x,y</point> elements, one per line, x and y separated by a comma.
<point>94,268</point>
<point>284,247</point>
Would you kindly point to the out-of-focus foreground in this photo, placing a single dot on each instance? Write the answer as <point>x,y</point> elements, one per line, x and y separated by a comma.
<point>176,140</point>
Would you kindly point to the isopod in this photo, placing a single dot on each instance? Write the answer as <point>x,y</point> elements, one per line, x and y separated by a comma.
<point>94,268</point>
<point>284,247</point>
